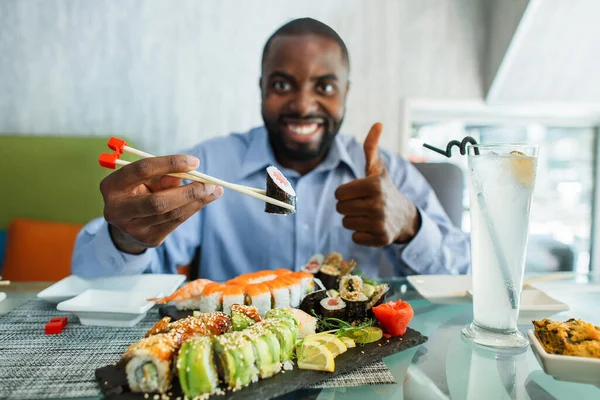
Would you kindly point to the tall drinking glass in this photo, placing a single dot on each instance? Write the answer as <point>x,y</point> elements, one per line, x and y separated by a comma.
<point>501,181</point>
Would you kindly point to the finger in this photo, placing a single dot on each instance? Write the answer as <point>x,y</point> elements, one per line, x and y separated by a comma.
<point>367,239</point>
<point>359,188</point>
<point>164,182</point>
<point>180,214</point>
<point>165,200</point>
<point>360,207</point>
<point>374,164</point>
<point>362,224</point>
<point>138,172</point>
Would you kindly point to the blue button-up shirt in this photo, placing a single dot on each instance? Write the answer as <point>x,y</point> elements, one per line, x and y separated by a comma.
<point>236,236</point>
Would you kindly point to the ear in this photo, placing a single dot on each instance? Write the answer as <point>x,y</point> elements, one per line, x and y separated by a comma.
<point>347,88</point>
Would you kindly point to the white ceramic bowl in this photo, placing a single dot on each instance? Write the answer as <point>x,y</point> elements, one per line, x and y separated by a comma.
<point>566,368</point>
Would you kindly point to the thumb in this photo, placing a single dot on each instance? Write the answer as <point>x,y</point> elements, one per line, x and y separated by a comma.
<point>374,165</point>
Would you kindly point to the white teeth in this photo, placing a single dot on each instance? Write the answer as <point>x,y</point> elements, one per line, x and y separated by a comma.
<point>304,129</point>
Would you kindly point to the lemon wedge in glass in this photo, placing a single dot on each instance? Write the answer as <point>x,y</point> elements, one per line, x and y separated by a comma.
<point>523,167</point>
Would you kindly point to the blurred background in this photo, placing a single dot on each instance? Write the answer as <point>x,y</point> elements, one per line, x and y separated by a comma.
<point>165,75</point>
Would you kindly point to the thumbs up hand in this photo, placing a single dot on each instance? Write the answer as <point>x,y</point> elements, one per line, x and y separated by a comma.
<point>372,206</point>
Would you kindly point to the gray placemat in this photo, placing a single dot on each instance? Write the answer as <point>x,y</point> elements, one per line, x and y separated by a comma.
<point>34,365</point>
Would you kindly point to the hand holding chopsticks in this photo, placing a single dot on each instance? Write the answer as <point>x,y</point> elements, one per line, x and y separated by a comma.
<point>119,146</point>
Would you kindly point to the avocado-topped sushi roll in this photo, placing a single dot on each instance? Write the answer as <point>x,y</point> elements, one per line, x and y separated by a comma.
<point>356,306</point>
<point>281,313</point>
<point>286,331</point>
<point>279,188</point>
<point>235,360</point>
<point>243,316</point>
<point>266,350</point>
<point>195,366</point>
<point>333,307</point>
<point>350,283</point>
<point>329,275</point>
<point>148,363</point>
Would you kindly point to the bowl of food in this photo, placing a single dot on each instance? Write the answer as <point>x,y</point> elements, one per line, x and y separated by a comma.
<point>569,350</point>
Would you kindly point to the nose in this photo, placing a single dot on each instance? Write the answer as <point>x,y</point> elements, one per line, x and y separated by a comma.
<point>304,103</point>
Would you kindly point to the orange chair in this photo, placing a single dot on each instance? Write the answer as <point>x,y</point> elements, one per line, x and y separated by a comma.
<point>39,250</point>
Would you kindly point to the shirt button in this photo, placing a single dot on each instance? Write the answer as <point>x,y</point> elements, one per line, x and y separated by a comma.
<point>306,227</point>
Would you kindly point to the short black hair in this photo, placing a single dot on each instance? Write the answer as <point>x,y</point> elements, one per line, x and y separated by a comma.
<point>307,26</point>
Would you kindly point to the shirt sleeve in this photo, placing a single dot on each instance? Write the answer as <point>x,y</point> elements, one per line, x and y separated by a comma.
<point>95,254</point>
<point>439,247</point>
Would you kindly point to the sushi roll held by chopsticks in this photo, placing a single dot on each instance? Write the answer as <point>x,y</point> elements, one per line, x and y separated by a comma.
<point>279,188</point>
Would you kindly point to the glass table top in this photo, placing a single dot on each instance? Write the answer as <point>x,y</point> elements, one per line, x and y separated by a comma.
<point>446,366</point>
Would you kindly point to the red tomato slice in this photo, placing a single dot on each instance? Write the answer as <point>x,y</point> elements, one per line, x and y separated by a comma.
<point>394,316</point>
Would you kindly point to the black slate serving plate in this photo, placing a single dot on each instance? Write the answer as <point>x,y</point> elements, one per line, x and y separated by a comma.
<point>113,383</point>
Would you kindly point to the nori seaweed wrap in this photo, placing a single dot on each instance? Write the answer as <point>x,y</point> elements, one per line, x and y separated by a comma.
<point>279,188</point>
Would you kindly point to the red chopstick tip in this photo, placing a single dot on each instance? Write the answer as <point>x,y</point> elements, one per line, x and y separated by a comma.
<point>117,145</point>
<point>108,160</point>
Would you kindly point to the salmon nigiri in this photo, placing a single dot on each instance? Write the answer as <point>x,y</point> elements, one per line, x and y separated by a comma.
<point>185,292</point>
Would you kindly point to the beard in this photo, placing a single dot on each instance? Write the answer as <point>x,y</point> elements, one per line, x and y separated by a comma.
<point>302,151</point>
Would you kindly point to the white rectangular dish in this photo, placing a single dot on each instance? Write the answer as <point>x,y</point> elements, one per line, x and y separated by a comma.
<point>150,284</point>
<point>108,308</point>
<point>456,289</point>
<point>566,368</point>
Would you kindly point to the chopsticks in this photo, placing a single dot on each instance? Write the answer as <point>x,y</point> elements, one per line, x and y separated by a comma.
<point>4,283</point>
<point>119,146</point>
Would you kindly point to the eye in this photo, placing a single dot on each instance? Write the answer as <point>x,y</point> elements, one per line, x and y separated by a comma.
<point>326,88</point>
<point>280,86</point>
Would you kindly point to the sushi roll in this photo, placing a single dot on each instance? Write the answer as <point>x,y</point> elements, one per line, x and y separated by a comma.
<point>356,306</point>
<point>243,316</point>
<point>196,368</point>
<point>259,296</point>
<point>148,363</point>
<point>329,275</point>
<point>295,287</point>
<point>310,303</point>
<point>235,360</point>
<point>280,294</point>
<point>333,308</point>
<point>378,296</point>
<point>346,267</point>
<point>212,298</point>
<point>350,283</point>
<point>334,259</point>
<point>317,258</point>
<point>232,294</point>
<point>306,282</point>
<point>216,322</point>
<point>282,271</point>
<point>279,188</point>
<point>266,350</point>
<point>312,268</point>
<point>281,313</point>
<point>286,332</point>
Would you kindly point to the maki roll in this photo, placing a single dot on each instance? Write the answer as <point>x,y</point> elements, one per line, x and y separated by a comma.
<point>311,301</point>
<point>295,287</point>
<point>279,188</point>
<point>266,350</point>
<point>350,283</point>
<point>356,306</point>
<point>232,294</point>
<point>333,308</point>
<point>378,296</point>
<point>346,267</point>
<point>196,368</point>
<point>212,298</point>
<point>243,316</point>
<point>235,360</point>
<point>286,331</point>
<point>329,275</point>
<point>280,293</point>
<point>259,296</point>
<point>334,259</point>
<point>148,363</point>
<point>307,283</point>
<point>312,268</point>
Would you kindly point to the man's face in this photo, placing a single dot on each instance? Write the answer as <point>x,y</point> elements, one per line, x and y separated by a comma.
<point>304,85</point>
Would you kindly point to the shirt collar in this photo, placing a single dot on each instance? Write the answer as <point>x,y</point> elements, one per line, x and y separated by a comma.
<point>260,155</point>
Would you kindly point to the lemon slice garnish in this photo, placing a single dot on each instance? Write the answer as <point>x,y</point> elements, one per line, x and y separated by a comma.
<point>316,357</point>
<point>335,345</point>
<point>523,167</point>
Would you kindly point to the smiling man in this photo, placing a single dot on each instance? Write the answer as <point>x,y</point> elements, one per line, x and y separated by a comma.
<point>366,203</point>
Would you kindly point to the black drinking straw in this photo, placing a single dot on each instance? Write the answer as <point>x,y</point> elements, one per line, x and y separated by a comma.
<point>462,145</point>
<point>510,286</point>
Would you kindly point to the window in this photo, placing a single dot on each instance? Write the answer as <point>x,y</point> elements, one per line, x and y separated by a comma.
<point>561,212</point>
